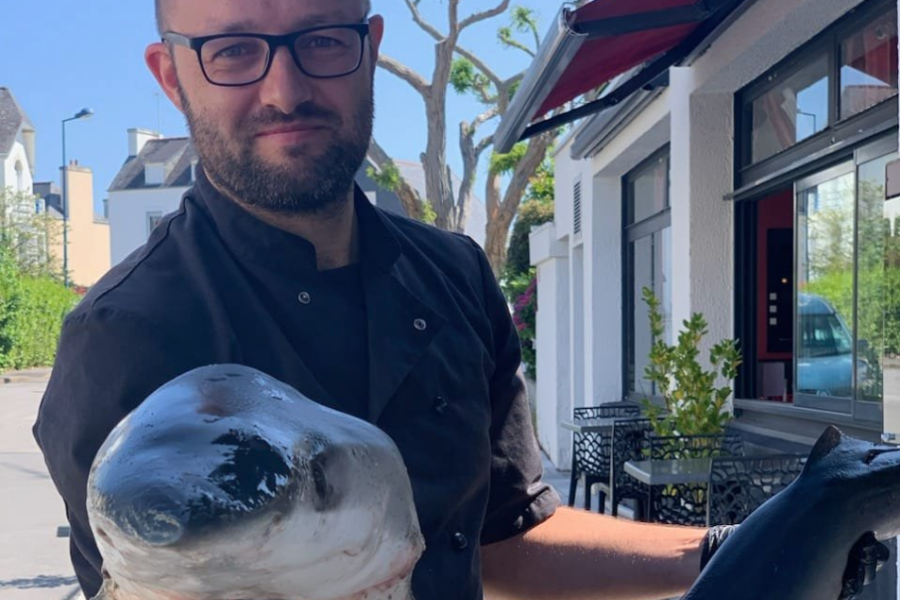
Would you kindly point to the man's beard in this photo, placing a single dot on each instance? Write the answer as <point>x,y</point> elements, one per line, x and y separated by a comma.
<point>319,183</point>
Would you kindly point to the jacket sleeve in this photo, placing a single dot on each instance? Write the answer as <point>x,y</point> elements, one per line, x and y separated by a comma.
<point>107,363</point>
<point>519,499</point>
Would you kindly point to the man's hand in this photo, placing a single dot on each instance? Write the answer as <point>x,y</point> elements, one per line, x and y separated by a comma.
<point>867,556</point>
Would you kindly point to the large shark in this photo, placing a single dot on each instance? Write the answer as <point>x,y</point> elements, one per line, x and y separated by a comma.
<point>796,545</point>
<point>226,484</point>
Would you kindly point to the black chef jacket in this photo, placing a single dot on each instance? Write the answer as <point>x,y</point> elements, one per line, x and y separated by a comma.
<point>216,285</point>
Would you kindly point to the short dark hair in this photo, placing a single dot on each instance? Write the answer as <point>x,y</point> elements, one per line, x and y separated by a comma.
<point>161,13</point>
<point>160,16</point>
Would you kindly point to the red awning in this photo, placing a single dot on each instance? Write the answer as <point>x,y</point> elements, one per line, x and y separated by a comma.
<point>599,41</point>
<point>601,59</point>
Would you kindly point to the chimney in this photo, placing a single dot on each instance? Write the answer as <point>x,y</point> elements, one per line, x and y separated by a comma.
<point>138,138</point>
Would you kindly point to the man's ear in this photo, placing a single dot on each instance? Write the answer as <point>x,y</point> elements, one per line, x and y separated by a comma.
<point>376,33</point>
<point>161,63</point>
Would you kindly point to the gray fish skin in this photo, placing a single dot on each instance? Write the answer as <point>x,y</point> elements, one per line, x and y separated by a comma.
<point>226,484</point>
<point>796,545</point>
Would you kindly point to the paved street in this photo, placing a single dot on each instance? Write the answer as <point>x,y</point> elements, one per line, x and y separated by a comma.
<point>34,563</point>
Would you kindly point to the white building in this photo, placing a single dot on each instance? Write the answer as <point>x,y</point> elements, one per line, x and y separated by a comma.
<point>160,170</point>
<point>17,145</point>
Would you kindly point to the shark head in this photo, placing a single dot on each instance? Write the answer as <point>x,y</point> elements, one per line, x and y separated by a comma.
<point>861,476</point>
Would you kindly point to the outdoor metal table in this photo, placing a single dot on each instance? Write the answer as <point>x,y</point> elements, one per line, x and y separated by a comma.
<point>591,425</point>
<point>662,473</point>
<point>669,472</point>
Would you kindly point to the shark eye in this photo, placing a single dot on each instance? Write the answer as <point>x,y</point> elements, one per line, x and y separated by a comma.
<point>876,452</point>
<point>319,480</point>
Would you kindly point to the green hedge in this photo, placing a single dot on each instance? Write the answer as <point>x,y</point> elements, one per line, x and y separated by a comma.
<point>32,310</point>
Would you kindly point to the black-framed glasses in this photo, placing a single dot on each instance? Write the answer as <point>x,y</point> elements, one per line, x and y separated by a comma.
<point>237,59</point>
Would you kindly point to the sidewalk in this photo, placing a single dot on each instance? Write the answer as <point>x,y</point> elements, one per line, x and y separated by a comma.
<point>34,562</point>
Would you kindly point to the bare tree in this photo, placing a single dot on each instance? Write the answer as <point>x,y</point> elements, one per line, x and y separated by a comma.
<point>456,66</point>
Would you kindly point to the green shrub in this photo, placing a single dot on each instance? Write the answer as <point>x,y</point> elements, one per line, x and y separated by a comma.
<point>32,309</point>
<point>518,272</point>
<point>694,405</point>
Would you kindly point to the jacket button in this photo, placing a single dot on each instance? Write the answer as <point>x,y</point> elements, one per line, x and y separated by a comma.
<point>459,541</point>
<point>440,405</point>
<point>420,324</point>
<point>304,298</point>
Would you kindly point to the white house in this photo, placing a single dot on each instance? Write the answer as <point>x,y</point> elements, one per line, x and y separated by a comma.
<point>17,145</point>
<point>160,170</point>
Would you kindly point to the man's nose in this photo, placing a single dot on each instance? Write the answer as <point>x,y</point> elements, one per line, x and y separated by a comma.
<point>285,87</point>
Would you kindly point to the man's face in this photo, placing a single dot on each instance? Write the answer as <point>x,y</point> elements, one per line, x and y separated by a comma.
<point>289,142</point>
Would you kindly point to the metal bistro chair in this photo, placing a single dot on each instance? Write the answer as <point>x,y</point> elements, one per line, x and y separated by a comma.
<point>630,441</point>
<point>591,451</point>
<point>685,504</point>
<point>740,485</point>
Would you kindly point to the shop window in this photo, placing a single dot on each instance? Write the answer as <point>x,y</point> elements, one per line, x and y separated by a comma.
<point>791,112</point>
<point>825,308</point>
<point>648,263</point>
<point>816,97</point>
<point>869,65</point>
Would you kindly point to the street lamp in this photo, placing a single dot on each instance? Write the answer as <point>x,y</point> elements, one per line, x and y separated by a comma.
<point>84,113</point>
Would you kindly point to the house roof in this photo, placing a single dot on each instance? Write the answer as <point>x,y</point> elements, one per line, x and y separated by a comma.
<point>175,155</point>
<point>12,119</point>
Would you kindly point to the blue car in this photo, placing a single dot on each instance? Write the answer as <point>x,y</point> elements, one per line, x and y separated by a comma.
<point>825,350</point>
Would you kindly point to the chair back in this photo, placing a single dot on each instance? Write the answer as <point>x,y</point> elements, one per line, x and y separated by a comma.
<point>740,485</point>
<point>592,450</point>
<point>630,441</point>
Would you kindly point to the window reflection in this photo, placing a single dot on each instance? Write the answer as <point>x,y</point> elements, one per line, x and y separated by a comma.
<point>878,274</point>
<point>869,65</point>
<point>791,112</point>
<point>825,246</point>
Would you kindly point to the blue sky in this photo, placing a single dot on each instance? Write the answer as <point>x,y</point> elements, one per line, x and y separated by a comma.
<point>60,56</point>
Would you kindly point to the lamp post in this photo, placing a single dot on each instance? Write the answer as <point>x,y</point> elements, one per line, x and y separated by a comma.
<point>84,113</point>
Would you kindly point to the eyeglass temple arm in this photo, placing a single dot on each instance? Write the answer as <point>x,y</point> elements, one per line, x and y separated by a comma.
<point>176,38</point>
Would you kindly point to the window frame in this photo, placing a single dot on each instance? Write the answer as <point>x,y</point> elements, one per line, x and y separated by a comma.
<point>632,232</point>
<point>839,131</point>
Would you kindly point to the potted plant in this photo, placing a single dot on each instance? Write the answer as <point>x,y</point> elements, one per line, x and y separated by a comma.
<point>694,405</point>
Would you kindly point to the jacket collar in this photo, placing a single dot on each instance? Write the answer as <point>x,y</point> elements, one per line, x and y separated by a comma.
<point>262,244</point>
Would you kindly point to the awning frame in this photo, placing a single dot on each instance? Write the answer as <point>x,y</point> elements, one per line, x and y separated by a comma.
<point>539,82</point>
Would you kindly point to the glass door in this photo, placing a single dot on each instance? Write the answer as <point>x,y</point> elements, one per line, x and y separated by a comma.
<point>824,313</point>
<point>847,304</point>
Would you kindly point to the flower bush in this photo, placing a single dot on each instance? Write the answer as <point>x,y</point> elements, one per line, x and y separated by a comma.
<point>524,317</point>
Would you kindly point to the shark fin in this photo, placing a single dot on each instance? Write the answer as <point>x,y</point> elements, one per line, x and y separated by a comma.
<point>827,442</point>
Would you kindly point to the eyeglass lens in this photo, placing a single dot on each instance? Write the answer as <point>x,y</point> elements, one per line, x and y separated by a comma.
<point>323,53</point>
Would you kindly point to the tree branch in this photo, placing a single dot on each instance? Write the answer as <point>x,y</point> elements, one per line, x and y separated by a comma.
<point>483,144</point>
<point>484,15</point>
<point>408,75</point>
<point>519,45</point>
<point>453,14</point>
<point>514,79</point>
<point>486,116</point>
<point>422,23</point>
<point>480,65</point>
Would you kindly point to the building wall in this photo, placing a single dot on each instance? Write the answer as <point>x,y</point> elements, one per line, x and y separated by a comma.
<point>88,240</point>
<point>695,115</point>
<point>128,212</point>
<point>553,398</point>
<point>8,176</point>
